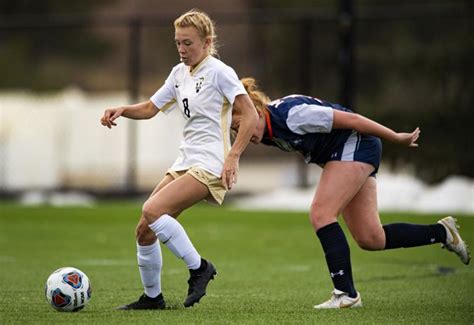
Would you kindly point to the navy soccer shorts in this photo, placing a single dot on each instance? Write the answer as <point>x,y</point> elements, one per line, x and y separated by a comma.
<point>360,147</point>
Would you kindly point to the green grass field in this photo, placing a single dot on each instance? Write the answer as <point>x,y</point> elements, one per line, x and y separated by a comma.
<point>271,269</point>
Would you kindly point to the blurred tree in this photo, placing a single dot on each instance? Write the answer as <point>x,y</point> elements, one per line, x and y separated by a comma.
<point>40,58</point>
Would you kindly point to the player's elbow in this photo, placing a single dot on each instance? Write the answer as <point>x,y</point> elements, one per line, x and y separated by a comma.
<point>356,122</point>
<point>249,121</point>
<point>346,120</point>
<point>253,117</point>
<point>244,106</point>
<point>150,110</point>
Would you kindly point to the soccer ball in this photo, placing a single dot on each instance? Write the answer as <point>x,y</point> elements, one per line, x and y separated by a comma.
<point>68,289</point>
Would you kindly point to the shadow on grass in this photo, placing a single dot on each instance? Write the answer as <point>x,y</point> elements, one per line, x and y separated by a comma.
<point>438,271</point>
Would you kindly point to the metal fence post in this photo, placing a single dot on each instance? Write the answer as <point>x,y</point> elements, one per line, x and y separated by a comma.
<point>346,52</point>
<point>306,78</point>
<point>134,43</point>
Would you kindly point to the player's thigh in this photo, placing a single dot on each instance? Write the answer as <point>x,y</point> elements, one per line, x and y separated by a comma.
<point>165,181</point>
<point>176,196</point>
<point>339,183</point>
<point>362,218</point>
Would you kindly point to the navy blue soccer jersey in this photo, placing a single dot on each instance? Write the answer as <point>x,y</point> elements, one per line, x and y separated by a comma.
<point>304,124</point>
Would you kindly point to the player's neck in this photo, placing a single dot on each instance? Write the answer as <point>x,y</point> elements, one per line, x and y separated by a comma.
<point>196,66</point>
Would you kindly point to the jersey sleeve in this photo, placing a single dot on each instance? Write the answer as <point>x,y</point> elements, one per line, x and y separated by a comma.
<point>306,118</point>
<point>165,97</point>
<point>229,84</point>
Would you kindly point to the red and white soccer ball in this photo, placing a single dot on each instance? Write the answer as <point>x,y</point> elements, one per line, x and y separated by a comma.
<point>68,289</point>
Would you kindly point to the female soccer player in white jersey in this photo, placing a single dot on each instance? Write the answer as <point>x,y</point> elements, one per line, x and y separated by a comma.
<point>347,146</point>
<point>206,91</point>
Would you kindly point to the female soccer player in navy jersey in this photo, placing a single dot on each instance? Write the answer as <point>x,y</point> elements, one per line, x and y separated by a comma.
<point>206,91</point>
<point>348,148</point>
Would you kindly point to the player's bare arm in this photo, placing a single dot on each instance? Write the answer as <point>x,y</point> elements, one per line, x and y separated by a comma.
<point>359,123</point>
<point>140,111</point>
<point>248,121</point>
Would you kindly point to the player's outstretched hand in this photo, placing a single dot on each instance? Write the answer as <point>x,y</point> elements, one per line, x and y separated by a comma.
<point>409,139</point>
<point>110,115</point>
<point>230,171</point>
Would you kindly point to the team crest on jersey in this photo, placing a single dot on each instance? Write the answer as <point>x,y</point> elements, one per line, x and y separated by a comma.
<point>199,84</point>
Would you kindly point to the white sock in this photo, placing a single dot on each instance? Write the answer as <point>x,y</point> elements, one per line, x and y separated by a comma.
<point>172,234</point>
<point>150,263</point>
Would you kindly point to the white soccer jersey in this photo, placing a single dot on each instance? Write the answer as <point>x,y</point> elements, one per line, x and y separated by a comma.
<point>205,97</point>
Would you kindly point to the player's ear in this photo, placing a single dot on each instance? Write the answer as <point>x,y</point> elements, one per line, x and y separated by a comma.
<point>207,42</point>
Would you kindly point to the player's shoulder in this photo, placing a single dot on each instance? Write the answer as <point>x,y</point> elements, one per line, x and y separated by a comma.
<point>297,99</point>
<point>178,71</point>
<point>289,101</point>
<point>179,67</point>
<point>219,66</point>
<point>215,62</point>
<point>294,100</point>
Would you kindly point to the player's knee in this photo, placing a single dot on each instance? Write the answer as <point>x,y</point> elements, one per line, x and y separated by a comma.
<point>320,217</point>
<point>150,212</point>
<point>370,242</point>
<point>144,235</point>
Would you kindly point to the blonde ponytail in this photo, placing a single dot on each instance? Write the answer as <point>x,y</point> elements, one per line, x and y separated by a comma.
<point>259,98</point>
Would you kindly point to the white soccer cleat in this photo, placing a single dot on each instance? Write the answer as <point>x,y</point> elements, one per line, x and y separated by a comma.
<point>340,299</point>
<point>454,242</point>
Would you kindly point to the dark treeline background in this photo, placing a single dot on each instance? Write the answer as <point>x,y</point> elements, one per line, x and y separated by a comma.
<point>413,62</point>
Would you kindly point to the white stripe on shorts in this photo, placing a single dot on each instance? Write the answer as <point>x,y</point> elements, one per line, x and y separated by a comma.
<point>350,147</point>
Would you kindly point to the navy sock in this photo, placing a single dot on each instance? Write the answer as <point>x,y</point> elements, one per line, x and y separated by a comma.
<point>338,258</point>
<point>409,235</point>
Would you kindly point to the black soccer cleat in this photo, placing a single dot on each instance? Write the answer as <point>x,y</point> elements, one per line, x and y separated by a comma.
<point>198,281</point>
<point>145,302</point>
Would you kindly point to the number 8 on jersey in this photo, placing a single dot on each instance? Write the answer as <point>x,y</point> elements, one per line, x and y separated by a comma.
<point>187,112</point>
